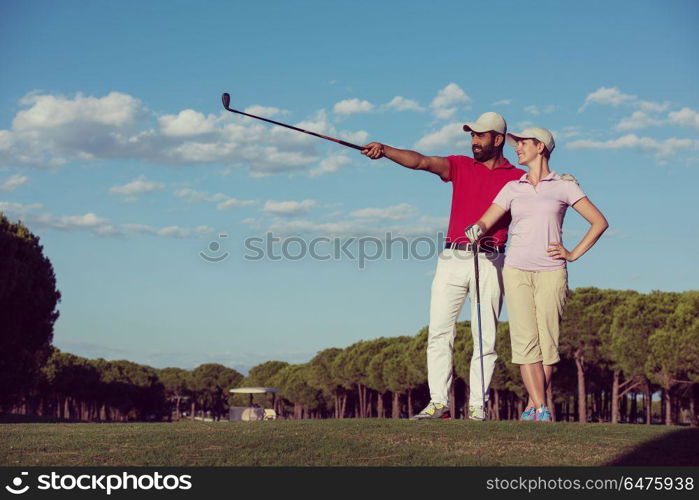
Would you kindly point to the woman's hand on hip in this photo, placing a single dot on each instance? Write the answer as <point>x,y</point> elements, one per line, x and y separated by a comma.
<point>558,251</point>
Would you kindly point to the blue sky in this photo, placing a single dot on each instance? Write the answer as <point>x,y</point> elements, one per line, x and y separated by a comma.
<point>115,150</point>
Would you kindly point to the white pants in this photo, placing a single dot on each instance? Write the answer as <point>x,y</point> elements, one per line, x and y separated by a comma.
<point>454,279</point>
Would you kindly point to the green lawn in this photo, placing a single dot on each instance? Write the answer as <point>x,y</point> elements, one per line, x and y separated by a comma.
<point>345,442</point>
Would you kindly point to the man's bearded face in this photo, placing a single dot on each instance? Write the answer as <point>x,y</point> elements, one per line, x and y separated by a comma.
<point>483,146</point>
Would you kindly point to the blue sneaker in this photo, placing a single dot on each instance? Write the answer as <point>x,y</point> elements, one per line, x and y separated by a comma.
<point>542,414</point>
<point>528,414</point>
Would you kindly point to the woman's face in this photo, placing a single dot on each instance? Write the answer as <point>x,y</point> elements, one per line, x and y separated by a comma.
<point>526,151</point>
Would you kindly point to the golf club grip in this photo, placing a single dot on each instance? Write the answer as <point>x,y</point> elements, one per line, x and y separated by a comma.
<point>339,141</point>
<point>349,145</point>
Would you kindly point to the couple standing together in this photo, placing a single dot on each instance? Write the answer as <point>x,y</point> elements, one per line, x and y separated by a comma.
<point>491,196</point>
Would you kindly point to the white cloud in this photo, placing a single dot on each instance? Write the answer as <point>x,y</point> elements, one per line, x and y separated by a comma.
<point>6,140</point>
<point>88,222</point>
<point>636,121</point>
<point>177,232</point>
<point>187,123</point>
<point>627,141</point>
<point>329,164</point>
<point>685,117</point>
<point>656,107</point>
<point>56,130</point>
<point>49,111</point>
<point>427,225</point>
<point>352,106</point>
<point>395,212</point>
<point>631,141</point>
<point>450,95</point>
<point>201,152</point>
<point>610,96</point>
<point>535,110</point>
<point>286,139</point>
<point>362,227</point>
<point>223,201</point>
<point>359,137</point>
<point>13,182</point>
<point>288,208</point>
<point>18,208</point>
<point>191,195</point>
<point>264,111</point>
<point>566,132</point>
<point>137,187</point>
<point>273,160</point>
<point>450,136</point>
<point>502,102</point>
<point>446,102</point>
<point>233,203</point>
<point>311,227</point>
<point>400,103</point>
<point>92,223</point>
<point>445,113</point>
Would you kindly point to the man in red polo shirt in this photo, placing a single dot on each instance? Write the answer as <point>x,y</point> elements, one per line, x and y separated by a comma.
<point>475,182</point>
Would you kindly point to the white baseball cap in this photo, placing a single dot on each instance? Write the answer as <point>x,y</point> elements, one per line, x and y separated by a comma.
<point>538,133</point>
<point>487,122</point>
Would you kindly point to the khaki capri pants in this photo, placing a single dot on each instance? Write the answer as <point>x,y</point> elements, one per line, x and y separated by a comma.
<point>535,301</point>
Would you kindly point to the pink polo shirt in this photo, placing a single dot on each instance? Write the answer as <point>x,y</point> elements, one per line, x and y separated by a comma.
<point>537,219</point>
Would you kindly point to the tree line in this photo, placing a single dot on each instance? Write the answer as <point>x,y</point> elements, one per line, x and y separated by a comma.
<point>75,388</point>
<point>619,348</point>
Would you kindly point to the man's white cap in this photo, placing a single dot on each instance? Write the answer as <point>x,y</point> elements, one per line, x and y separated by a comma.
<point>487,122</point>
<point>538,133</point>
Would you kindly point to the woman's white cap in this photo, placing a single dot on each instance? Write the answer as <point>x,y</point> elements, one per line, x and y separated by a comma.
<point>538,133</point>
<point>487,122</point>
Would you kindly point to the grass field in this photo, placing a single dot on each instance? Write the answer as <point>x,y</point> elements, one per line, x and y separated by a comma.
<point>345,443</point>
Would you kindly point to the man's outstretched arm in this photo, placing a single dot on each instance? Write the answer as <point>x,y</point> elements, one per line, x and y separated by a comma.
<point>410,159</point>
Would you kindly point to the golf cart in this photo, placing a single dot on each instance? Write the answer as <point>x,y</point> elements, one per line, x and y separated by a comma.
<point>253,412</point>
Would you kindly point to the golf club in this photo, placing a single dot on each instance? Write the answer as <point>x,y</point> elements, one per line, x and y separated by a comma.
<point>478,313</point>
<point>226,99</point>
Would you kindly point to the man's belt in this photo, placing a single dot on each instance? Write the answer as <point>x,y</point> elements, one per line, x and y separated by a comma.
<point>481,248</point>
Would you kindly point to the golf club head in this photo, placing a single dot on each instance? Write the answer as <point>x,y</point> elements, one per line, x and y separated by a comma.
<point>226,100</point>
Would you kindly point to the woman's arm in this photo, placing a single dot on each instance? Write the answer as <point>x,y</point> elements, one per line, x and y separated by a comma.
<point>598,225</point>
<point>487,221</point>
<point>490,217</point>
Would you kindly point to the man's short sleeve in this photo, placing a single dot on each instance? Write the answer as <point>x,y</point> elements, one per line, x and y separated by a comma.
<point>572,192</point>
<point>453,168</point>
<point>456,168</point>
<point>504,197</point>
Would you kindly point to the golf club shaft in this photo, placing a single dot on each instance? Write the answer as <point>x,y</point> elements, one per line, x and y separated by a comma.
<point>478,313</point>
<point>226,99</point>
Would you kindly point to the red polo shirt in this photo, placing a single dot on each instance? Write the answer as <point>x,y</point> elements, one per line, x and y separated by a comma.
<point>474,188</point>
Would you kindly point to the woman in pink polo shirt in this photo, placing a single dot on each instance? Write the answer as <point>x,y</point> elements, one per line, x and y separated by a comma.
<point>535,275</point>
